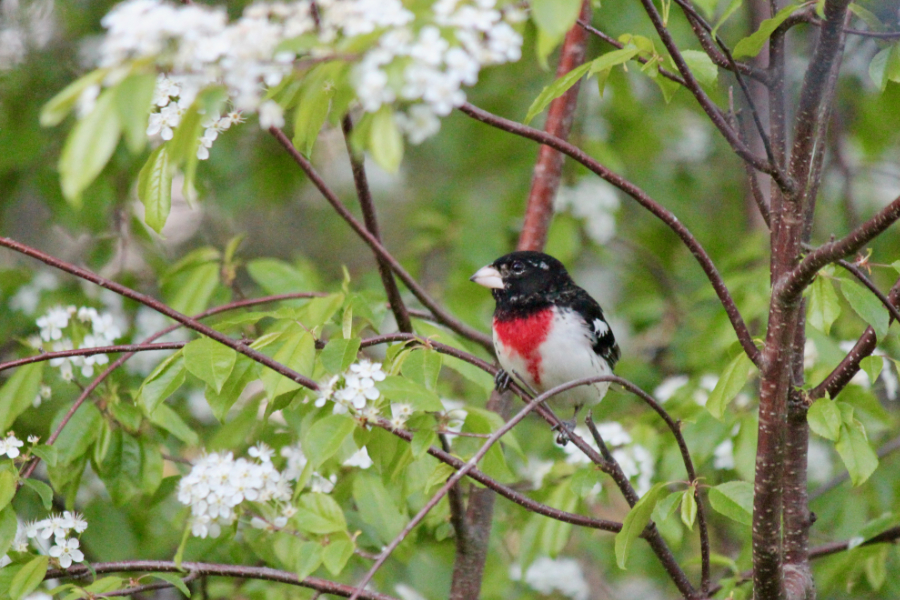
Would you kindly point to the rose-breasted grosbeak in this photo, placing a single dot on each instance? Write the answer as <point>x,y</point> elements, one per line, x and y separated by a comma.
<point>547,330</point>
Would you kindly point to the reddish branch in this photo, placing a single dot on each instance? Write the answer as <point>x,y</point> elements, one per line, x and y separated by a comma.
<point>548,169</point>
<point>663,214</point>
<point>364,193</point>
<point>200,568</point>
<point>160,308</point>
<point>442,315</point>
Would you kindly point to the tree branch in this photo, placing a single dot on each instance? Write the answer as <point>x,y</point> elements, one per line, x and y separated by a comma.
<point>200,568</point>
<point>737,322</point>
<point>442,315</point>
<point>161,308</point>
<point>548,168</point>
<point>364,194</point>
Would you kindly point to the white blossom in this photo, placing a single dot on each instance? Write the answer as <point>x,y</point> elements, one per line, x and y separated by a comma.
<point>67,552</point>
<point>53,323</point>
<point>10,445</point>
<point>665,390</point>
<point>547,576</point>
<point>359,459</point>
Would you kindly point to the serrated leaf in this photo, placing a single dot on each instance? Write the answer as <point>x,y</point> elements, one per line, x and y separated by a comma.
<point>326,436</point>
<point>339,354</point>
<point>376,506</point>
<point>162,382</point>
<point>176,581</point>
<point>867,306</point>
<point>702,66</point>
<point>688,508</point>
<point>43,490</point>
<point>665,508</point>
<point>400,389</point>
<point>635,521</point>
<point>729,385</point>
<point>29,577</point>
<point>872,365</point>
<point>297,352</point>
<point>823,306</point>
<point>155,189</point>
<point>856,452</point>
<point>555,90</point>
<point>385,140</point>
<point>309,557</point>
<point>824,418</point>
<point>210,361</point>
<point>734,500</point>
<point>89,147</point>
<point>320,514</point>
<point>133,99</point>
<point>19,392</point>
<point>753,44</point>
<point>336,554</point>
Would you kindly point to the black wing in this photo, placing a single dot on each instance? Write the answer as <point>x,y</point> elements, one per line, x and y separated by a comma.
<point>603,341</point>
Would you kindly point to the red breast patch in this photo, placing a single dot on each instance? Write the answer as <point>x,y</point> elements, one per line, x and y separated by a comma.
<point>524,336</point>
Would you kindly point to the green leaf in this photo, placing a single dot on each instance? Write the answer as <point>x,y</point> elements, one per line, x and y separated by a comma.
<point>319,87</point>
<point>442,472</point>
<point>89,147</point>
<point>400,389</point>
<point>166,418</point>
<point>47,453</point>
<point>730,383</point>
<point>704,69</point>
<point>320,514</point>
<point>19,392</point>
<point>210,361</point>
<point>179,553</point>
<point>423,366</point>
<point>309,557</point>
<point>336,554</point>
<point>555,90</point>
<point>106,584</point>
<point>8,481</point>
<point>856,452</point>
<point>155,189</point>
<point>885,66</point>
<point>195,288</point>
<point>162,382</point>
<point>43,490</point>
<point>867,306</point>
<point>385,140</point>
<point>326,436</point>
<point>667,87</point>
<point>78,435</point>
<point>753,44</point>
<point>422,440</point>
<point>133,99</point>
<point>665,508</point>
<point>278,277</point>
<point>376,507</point>
<point>174,580</point>
<point>734,500</point>
<point>29,577</point>
<point>824,418</point>
<point>8,527</point>
<point>339,354</point>
<point>298,352</point>
<point>221,402</point>
<point>635,521</point>
<point>62,103</point>
<point>823,306</point>
<point>872,365</point>
<point>688,508</point>
<point>555,534</point>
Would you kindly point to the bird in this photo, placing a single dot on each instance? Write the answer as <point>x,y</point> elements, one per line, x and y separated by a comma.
<point>548,331</point>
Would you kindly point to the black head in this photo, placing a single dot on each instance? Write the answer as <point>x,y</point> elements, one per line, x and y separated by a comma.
<point>524,279</point>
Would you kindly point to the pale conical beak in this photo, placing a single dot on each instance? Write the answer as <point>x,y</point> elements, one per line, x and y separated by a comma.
<point>489,277</point>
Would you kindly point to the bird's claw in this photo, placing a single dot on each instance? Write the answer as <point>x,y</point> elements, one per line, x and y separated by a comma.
<point>502,380</point>
<point>564,429</point>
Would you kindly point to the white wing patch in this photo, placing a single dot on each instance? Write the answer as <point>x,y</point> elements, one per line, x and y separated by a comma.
<point>600,327</point>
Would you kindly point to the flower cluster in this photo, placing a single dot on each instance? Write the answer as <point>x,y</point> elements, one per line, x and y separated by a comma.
<point>219,484</point>
<point>70,328</point>
<point>296,462</point>
<point>423,60</point>
<point>548,576</point>
<point>65,547</point>
<point>595,202</point>
<point>354,391</point>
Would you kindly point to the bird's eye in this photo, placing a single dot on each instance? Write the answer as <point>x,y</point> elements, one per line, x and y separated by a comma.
<point>518,268</point>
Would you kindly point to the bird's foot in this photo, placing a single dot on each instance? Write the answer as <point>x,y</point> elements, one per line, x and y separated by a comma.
<point>563,430</point>
<point>502,380</point>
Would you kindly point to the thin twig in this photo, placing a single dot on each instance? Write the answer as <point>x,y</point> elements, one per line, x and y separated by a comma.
<point>442,315</point>
<point>148,587</point>
<point>91,352</point>
<point>619,45</point>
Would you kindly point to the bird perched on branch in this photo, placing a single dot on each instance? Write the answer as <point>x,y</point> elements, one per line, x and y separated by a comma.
<point>547,330</point>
